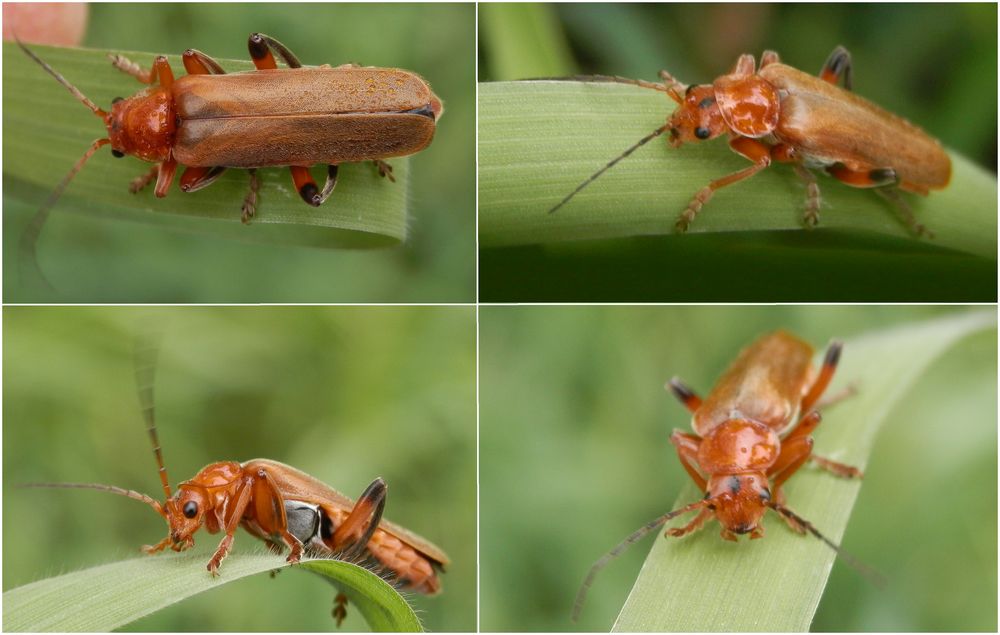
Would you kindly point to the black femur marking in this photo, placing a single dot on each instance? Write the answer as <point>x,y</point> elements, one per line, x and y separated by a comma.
<point>702,132</point>
<point>117,154</point>
<point>190,509</point>
<point>882,175</point>
<point>310,194</point>
<point>257,47</point>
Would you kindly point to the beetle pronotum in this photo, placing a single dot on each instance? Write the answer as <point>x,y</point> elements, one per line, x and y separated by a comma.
<point>282,506</point>
<point>752,433</point>
<point>298,116</point>
<point>779,113</point>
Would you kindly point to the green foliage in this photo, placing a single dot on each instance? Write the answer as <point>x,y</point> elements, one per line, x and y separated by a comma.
<point>110,596</point>
<point>345,394</point>
<point>90,254</point>
<point>596,463</point>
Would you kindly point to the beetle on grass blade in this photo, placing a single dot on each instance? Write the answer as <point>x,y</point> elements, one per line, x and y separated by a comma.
<point>779,113</point>
<point>752,433</point>
<point>298,116</point>
<point>282,506</point>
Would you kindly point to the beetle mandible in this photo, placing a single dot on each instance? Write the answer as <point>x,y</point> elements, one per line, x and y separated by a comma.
<point>779,113</point>
<point>751,434</point>
<point>282,506</point>
<point>298,116</point>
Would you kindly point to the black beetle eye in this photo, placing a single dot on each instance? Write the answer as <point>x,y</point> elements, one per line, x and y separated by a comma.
<point>765,495</point>
<point>117,154</point>
<point>702,133</point>
<point>190,509</point>
<point>116,100</point>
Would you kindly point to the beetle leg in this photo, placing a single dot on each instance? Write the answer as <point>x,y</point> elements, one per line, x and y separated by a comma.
<point>684,394</point>
<point>138,183</point>
<point>261,46</point>
<point>331,182</point>
<point>339,608</point>
<point>160,71</point>
<point>811,214</point>
<point>687,451</point>
<point>197,63</point>
<point>837,67</point>
<point>892,195</point>
<point>235,515</point>
<point>165,177</point>
<point>384,169</point>
<point>768,57</point>
<point>745,65</point>
<point>752,149</point>
<point>305,185</point>
<point>160,546</point>
<point>794,525</point>
<point>250,202</point>
<point>195,179</point>
<point>695,524</point>
<point>269,506</point>
<point>675,89</point>
<point>830,361</point>
<point>368,508</point>
<point>832,400</point>
<point>794,452</point>
<point>840,469</point>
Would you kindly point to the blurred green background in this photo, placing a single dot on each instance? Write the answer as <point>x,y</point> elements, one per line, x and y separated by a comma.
<point>935,64</point>
<point>106,260</point>
<point>345,394</point>
<point>573,463</point>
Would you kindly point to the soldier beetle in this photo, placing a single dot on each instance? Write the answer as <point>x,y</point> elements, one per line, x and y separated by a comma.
<point>779,113</point>
<point>284,507</point>
<point>752,433</point>
<point>298,116</point>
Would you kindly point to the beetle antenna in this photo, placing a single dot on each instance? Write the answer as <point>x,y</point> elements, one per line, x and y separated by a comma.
<point>588,181</point>
<point>873,576</point>
<point>613,79</point>
<point>134,495</point>
<point>145,355</point>
<point>62,80</point>
<point>652,525</point>
<point>29,239</point>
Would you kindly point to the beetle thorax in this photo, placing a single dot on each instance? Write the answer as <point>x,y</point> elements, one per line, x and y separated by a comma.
<point>738,446</point>
<point>144,125</point>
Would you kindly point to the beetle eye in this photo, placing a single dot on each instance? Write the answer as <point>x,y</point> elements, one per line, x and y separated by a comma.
<point>116,100</point>
<point>765,495</point>
<point>702,133</point>
<point>117,154</point>
<point>190,509</point>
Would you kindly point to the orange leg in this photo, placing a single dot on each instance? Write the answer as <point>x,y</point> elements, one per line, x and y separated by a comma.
<point>195,179</point>
<point>687,451</point>
<point>837,67</point>
<point>165,177</point>
<point>793,454</point>
<point>269,507</point>
<point>840,469</point>
<point>684,394</point>
<point>823,379</point>
<point>752,149</point>
<point>261,47</point>
<point>235,515</point>
<point>197,63</point>
<point>140,182</point>
<point>362,522</point>
<point>694,525</point>
<point>768,57</point>
<point>875,177</point>
<point>161,70</point>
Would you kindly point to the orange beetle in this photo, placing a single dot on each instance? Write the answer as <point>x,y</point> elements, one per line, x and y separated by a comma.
<point>779,113</point>
<point>752,433</point>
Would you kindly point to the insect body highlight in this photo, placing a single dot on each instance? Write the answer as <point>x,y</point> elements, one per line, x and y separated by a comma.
<point>776,113</point>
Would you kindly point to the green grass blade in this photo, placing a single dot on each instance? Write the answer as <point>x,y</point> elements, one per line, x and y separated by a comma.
<point>524,40</point>
<point>539,140</point>
<point>703,583</point>
<point>109,596</point>
<point>47,130</point>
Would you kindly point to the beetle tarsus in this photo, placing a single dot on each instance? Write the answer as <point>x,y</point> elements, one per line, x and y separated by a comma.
<point>250,202</point>
<point>384,169</point>
<point>339,608</point>
<point>140,182</point>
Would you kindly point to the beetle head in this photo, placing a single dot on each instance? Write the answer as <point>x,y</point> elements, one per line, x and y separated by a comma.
<point>185,512</point>
<point>697,118</point>
<point>739,502</point>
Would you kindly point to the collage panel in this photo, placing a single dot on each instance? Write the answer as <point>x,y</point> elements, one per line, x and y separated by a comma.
<point>329,397</point>
<point>398,230</point>
<point>637,152</point>
<point>581,443</point>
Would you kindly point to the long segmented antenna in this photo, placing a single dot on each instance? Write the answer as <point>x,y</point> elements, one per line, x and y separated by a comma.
<point>134,495</point>
<point>873,576</point>
<point>29,239</point>
<point>146,352</point>
<point>639,144</point>
<point>652,525</point>
<point>611,79</point>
